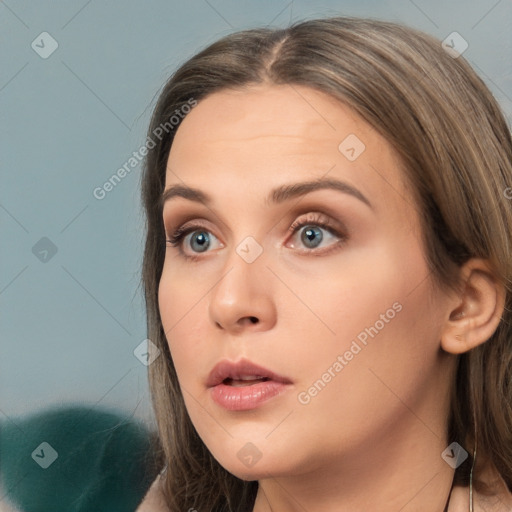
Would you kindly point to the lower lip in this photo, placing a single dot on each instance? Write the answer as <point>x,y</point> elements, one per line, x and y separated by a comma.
<point>244,398</point>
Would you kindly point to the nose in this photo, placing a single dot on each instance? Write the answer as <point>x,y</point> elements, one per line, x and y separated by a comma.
<point>243,297</point>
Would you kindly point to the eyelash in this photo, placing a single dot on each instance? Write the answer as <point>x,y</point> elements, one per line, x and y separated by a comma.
<point>176,239</point>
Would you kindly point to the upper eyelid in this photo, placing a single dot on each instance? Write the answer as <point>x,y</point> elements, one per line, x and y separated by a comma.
<point>325,211</point>
<point>316,216</point>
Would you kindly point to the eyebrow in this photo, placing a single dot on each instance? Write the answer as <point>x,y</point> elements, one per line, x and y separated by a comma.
<point>276,196</point>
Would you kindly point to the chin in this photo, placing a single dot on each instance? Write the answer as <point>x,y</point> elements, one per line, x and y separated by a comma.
<point>257,469</point>
<point>247,477</point>
<point>250,474</point>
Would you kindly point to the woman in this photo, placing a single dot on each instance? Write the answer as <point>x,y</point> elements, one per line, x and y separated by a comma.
<point>327,275</point>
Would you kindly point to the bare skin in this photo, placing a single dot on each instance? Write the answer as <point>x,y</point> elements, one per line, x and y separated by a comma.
<point>371,438</point>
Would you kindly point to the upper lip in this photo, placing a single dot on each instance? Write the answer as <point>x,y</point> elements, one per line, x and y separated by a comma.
<point>226,369</point>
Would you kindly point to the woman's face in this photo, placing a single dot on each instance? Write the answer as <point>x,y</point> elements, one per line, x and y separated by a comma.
<point>345,312</point>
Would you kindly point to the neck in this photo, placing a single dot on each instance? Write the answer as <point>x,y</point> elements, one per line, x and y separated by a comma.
<point>402,471</point>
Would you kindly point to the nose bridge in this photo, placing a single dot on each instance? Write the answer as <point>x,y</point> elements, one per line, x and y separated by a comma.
<point>246,255</point>
<point>244,269</point>
<point>243,290</point>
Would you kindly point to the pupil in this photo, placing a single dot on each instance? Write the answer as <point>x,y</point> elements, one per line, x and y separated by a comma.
<point>202,239</point>
<point>310,234</point>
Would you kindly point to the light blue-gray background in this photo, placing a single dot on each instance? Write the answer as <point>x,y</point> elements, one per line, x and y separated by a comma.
<point>69,325</point>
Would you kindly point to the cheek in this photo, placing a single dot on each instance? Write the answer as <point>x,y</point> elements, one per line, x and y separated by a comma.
<point>387,335</point>
<point>357,296</point>
<point>347,296</point>
<point>380,381</point>
<point>182,310</point>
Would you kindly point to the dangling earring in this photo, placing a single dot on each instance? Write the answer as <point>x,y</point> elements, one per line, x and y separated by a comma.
<point>471,474</point>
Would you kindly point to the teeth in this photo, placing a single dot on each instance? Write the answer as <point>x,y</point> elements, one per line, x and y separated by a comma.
<point>244,380</point>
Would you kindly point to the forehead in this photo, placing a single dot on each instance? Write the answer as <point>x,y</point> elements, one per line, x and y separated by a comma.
<point>268,111</point>
<point>267,135</point>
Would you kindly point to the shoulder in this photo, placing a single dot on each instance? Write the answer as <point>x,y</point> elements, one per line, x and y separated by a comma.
<point>153,500</point>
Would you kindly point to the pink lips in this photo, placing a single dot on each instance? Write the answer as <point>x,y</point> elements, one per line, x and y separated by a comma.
<point>244,385</point>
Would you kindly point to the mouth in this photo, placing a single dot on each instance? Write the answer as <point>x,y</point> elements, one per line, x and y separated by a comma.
<point>242,373</point>
<point>244,385</point>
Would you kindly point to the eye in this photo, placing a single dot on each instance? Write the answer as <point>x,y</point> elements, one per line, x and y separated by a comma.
<point>311,238</point>
<point>200,239</point>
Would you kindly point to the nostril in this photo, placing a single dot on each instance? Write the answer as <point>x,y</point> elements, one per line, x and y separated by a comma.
<point>253,319</point>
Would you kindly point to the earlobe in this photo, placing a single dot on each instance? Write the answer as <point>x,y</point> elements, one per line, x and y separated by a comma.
<point>475,314</point>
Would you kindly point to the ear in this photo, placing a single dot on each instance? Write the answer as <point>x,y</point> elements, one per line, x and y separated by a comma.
<point>475,313</point>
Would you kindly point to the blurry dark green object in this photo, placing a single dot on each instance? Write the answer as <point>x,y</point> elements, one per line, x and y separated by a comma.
<point>104,460</point>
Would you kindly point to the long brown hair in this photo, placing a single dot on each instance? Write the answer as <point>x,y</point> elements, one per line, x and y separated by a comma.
<point>456,151</point>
